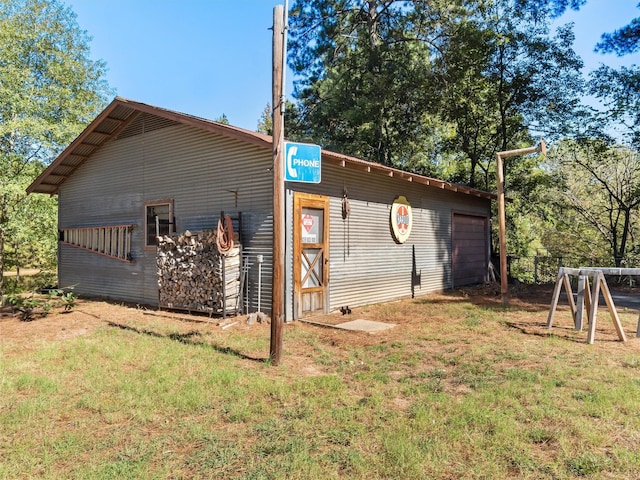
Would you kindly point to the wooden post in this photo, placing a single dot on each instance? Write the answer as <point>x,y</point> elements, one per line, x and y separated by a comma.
<point>277,278</point>
<point>556,297</point>
<point>593,311</point>
<point>502,217</point>
<point>502,220</point>
<point>578,321</point>
<point>606,293</point>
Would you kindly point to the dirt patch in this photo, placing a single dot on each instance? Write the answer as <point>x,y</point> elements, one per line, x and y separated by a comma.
<point>22,335</point>
<point>527,312</point>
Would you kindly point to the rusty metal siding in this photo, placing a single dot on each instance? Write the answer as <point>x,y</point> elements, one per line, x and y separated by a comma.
<point>367,265</point>
<point>203,173</point>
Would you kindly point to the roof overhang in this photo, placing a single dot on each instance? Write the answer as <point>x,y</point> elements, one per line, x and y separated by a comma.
<point>111,122</point>
<point>121,112</point>
<point>371,167</point>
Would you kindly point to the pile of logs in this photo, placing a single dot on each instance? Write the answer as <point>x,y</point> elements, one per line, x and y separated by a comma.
<point>194,275</point>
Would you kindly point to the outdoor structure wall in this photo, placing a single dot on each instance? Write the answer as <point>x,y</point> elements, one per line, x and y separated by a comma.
<point>203,173</point>
<point>366,265</point>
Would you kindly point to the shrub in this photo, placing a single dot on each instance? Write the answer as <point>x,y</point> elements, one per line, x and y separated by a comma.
<point>29,307</point>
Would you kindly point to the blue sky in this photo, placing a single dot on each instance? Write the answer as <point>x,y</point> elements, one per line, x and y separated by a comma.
<point>213,57</point>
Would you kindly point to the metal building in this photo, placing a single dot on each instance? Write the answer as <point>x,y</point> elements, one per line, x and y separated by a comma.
<point>365,234</point>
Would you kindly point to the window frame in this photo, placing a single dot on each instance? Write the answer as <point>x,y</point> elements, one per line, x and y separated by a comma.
<point>155,203</point>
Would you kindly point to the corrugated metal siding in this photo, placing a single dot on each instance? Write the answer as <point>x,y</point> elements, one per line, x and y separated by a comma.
<point>367,266</point>
<point>96,275</point>
<point>203,173</point>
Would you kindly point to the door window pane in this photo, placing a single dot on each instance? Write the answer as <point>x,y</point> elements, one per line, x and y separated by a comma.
<point>312,225</point>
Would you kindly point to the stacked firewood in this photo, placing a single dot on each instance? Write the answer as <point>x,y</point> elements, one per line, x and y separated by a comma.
<point>194,275</point>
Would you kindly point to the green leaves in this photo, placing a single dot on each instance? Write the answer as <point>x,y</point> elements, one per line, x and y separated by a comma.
<point>362,78</point>
<point>416,84</point>
<point>622,41</point>
<point>600,186</point>
<point>50,90</point>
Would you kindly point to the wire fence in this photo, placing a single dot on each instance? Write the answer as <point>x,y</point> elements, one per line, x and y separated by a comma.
<point>544,269</point>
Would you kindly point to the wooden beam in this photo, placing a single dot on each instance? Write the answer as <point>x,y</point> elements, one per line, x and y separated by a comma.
<point>554,299</point>
<point>591,271</point>
<point>504,285</point>
<point>277,276</point>
<point>502,233</point>
<point>579,316</point>
<point>567,287</point>
<point>612,310</point>
<point>593,311</point>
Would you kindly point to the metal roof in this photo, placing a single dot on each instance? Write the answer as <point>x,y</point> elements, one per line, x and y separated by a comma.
<point>117,120</point>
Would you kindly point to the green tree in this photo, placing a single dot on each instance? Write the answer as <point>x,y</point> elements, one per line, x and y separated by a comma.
<point>601,185</point>
<point>554,8</point>
<point>619,92</point>
<point>32,228</point>
<point>435,87</point>
<point>363,76</point>
<point>222,119</point>
<point>514,80</point>
<point>50,90</point>
<point>265,123</point>
<point>623,41</point>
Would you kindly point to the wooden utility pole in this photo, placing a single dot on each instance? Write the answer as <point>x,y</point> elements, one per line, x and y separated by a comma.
<point>502,216</point>
<point>277,277</point>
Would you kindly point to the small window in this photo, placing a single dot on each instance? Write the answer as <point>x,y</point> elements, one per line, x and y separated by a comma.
<point>158,220</point>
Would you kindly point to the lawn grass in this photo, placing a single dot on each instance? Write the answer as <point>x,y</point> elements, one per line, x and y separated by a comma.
<point>462,390</point>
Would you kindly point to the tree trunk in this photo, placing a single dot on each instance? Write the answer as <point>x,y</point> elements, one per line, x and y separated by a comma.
<point>15,248</point>
<point>623,239</point>
<point>1,261</point>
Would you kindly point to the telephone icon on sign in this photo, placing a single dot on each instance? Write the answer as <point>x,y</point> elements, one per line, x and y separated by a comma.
<point>292,172</point>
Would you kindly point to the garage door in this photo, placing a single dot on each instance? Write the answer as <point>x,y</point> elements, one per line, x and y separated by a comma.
<point>470,249</point>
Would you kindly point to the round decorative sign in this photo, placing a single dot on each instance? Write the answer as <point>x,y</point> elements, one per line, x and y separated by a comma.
<point>401,219</point>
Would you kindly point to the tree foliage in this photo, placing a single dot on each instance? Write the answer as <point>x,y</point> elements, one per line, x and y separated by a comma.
<point>439,87</point>
<point>50,89</point>
<point>435,87</point>
<point>514,81</point>
<point>619,92</point>
<point>363,77</point>
<point>623,41</point>
<point>222,119</point>
<point>601,186</point>
<point>265,123</point>
<point>553,8</point>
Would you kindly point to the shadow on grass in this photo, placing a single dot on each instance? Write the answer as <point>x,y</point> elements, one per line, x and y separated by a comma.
<point>489,302</point>
<point>529,298</point>
<point>188,339</point>
<point>568,334</point>
<point>541,330</point>
<point>82,312</point>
